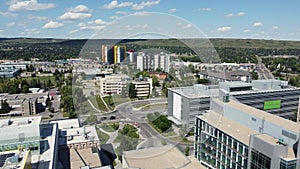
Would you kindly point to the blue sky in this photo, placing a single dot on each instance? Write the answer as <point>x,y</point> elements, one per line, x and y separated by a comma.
<point>256,19</point>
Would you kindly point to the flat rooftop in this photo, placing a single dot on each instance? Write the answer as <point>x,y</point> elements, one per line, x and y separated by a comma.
<point>288,124</point>
<point>197,90</point>
<point>66,124</point>
<point>257,86</point>
<point>77,134</point>
<point>227,125</point>
<point>158,158</point>
<point>16,128</point>
<point>10,159</point>
<point>84,157</point>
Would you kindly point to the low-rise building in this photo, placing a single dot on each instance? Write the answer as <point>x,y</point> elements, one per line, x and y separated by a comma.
<point>143,87</point>
<point>8,71</point>
<point>158,158</point>
<point>113,84</point>
<point>224,76</point>
<point>79,147</point>
<point>15,159</point>
<point>27,133</point>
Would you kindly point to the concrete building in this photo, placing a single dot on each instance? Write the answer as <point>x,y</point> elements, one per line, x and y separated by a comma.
<point>17,132</point>
<point>15,159</point>
<point>184,103</point>
<point>148,61</point>
<point>24,104</point>
<point>224,76</point>
<point>9,71</point>
<point>113,84</point>
<point>113,54</point>
<point>143,87</point>
<point>158,158</point>
<point>28,133</point>
<point>234,135</point>
<point>78,146</point>
<point>119,54</point>
<point>107,54</point>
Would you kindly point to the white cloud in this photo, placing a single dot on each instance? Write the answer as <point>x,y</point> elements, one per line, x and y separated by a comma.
<point>29,5</point>
<point>257,24</point>
<point>145,4</point>
<point>114,17</point>
<point>78,13</point>
<point>73,31</point>
<point>247,30</point>
<point>224,29</point>
<point>74,16</point>
<point>30,32</point>
<point>241,14</point>
<point>114,4</point>
<point>205,9</point>
<point>187,26</point>
<point>10,24</point>
<point>121,12</point>
<point>234,15</point>
<point>52,24</point>
<point>8,14</point>
<point>135,27</point>
<point>80,8</point>
<point>229,15</point>
<point>275,27</point>
<point>97,24</point>
<point>172,10</point>
<point>144,13</point>
<point>39,18</point>
<point>1,31</point>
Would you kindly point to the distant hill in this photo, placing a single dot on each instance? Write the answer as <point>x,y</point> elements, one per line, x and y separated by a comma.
<point>226,43</point>
<point>221,43</point>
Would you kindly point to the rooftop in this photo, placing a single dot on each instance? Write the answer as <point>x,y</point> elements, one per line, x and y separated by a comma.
<point>19,128</point>
<point>84,157</point>
<point>256,86</point>
<point>158,158</point>
<point>82,134</point>
<point>229,126</point>
<point>67,124</point>
<point>288,124</point>
<point>11,159</point>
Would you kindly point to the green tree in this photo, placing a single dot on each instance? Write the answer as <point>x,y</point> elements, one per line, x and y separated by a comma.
<point>187,151</point>
<point>132,90</point>
<point>143,74</point>
<point>25,88</point>
<point>5,108</point>
<point>155,81</point>
<point>202,81</point>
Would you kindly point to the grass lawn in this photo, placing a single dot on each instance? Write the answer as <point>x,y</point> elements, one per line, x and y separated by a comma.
<point>179,139</point>
<point>168,134</point>
<point>118,138</point>
<point>97,102</point>
<point>102,136</point>
<point>42,79</point>
<point>107,127</point>
<point>115,100</point>
<point>155,106</point>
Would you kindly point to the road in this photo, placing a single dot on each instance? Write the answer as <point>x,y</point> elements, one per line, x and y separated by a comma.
<point>128,113</point>
<point>262,71</point>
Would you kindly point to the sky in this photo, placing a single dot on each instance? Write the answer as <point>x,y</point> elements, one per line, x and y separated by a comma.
<point>72,19</point>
